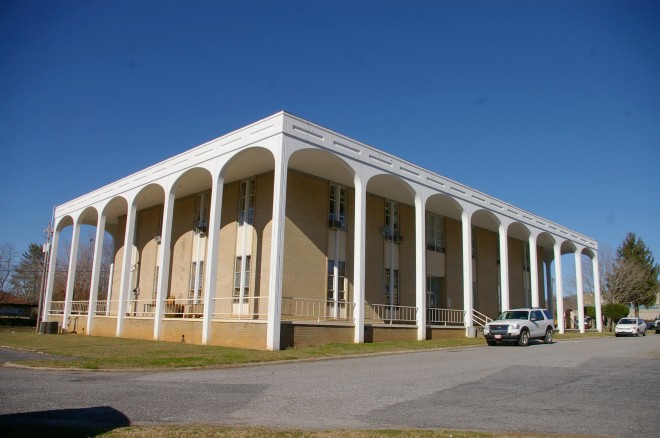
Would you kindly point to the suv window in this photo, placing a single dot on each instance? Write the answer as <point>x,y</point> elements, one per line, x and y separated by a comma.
<point>537,315</point>
<point>548,314</point>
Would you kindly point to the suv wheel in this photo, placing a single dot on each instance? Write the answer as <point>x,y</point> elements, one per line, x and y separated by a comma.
<point>524,338</point>
<point>490,343</point>
<point>548,337</point>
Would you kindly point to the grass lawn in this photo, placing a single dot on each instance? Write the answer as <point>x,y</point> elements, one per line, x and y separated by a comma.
<point>101,353</point>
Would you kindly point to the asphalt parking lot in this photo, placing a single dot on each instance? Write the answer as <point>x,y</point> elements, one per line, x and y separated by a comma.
<point>595,387</point>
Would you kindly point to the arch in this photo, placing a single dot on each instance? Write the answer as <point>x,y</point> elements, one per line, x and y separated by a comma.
<point>486,219</point>
<point>149,196</point>
<point>254,160</point>
<point>323,164</point>
<point>391,187</point>
<point>444,205</point>
<point>193,180</point>
<point>519,231</point>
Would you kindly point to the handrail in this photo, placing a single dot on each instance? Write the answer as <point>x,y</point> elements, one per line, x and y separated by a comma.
<point>438,316</point>
<point>479,318</point>
<point>391,314</point>
<point>317,309</point>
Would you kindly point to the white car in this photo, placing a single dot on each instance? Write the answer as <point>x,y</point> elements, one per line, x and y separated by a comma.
<point>630,327</point>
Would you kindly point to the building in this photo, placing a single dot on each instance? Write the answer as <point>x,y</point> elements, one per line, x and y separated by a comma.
<point>286,233</point>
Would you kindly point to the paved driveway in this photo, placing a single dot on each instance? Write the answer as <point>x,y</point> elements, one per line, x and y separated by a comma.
<point>604,387</point>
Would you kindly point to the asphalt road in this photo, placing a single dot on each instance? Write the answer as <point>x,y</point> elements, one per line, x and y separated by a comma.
<point>596,387</point>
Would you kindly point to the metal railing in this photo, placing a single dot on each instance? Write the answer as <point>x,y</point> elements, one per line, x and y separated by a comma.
<point>479,319</point>
<point>390,314</point>
<point>140,308</point>
<point>79,307</point>
<point>56,308</point>
<point>182,308</point>
<point>248,308</point>
<point>447,317</point>
<point>316,309</point>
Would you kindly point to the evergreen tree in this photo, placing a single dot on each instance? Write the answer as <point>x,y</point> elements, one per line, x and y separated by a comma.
<point>634,250</point>
<point>26,278</point>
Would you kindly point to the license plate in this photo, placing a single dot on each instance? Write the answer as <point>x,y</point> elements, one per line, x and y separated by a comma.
<point>498,336</point>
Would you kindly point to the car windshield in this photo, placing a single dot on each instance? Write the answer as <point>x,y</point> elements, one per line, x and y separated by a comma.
<point>514,314</point>
<point>627,321</point>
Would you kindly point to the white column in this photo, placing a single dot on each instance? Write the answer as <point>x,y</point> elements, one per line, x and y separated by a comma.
<point>126,274</point>
<point>164,263</point>
<point>467,268</point>
<point>578,285</point>
<point>596,270</point>
<point>504,267</point>
<point>277,250</point>
<point>533,270</point>
<point>359,257</point>
<point>420,265</point>
<point>52,266</point>
<point>96,272</point>
<point>559,288</point>
<point>71,276</point>
<point>212,257</point>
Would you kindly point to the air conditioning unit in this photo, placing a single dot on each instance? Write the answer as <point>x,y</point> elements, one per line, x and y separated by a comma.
<point>157,239</point>
<point>335,225</point>
<point>387,233</point>
<point>201,227</point>
<point>398,239</point>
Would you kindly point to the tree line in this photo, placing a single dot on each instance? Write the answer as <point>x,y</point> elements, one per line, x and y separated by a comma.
<point>22,274</point>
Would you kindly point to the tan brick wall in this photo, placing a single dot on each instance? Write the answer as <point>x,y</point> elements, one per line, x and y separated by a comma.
<point>263,226</point>
<point>454,260</point>
<point>226,252</point>
<point>516,290</point>
<point>306,237</point>
<point>303,335</point>
<point>445,333</point>
<point>541,283</point>
<point>407,281</point>
<point>238,334</point>
<point>374,242</point>
<point>138,328</point>
<point>181,247</point>
<point>104,326</point>
<point>487,272</point>
<point>384,334</point>
<point>148,250</point>
<point>175,328</point>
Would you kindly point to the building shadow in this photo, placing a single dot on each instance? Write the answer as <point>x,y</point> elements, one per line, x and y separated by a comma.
<point>74,423</point>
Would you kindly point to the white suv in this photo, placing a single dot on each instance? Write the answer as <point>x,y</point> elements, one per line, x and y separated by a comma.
<point>520,325</point>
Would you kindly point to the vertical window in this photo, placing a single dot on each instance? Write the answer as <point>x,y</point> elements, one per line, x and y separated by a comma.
<point>338,270</point>
<point>474,243</point>
<point>242,273</point>
<point>435,232</point>
<point>246,202</point>
<point>337,207</point>
<point>391,286</point>
<point>201,213</point>
<point>433,292</point>
<point>196,276</point>
<point>392,218</point>
<point>475,295</point>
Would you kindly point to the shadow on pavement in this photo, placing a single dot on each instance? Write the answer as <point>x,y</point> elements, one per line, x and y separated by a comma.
<point>83,422</point>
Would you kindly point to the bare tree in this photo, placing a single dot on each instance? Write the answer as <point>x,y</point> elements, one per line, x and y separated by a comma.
<point>8,257</point>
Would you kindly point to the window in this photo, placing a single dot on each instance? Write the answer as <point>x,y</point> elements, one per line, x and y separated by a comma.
<point>337,207</point>
<point>246,202</point>
<point>392,218</point>
<point>201,212</point>
<point>392,286</point>
<point>435,232</point>
<point>433,292</point>
<point>338,270</point>
<point>474,243</point>
<point>242,273</point>
<point>196,275</point>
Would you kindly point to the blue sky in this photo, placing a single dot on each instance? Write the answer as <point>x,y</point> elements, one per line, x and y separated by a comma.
<point>553,106</point>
